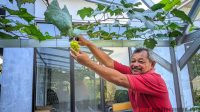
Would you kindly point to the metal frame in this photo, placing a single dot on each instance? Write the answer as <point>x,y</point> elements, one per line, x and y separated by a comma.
<point>54,60</point>
<point>189,53</point>
<point>177,84</point>
<point>148,3</point>
<point>34,81</point>
<point>53,55</point>
<point>189,70</point>
<point>102,95</point>
<point>161,61</point>
<point>191,37</point>
<point>102,92</point>
<point>72,85</point>
<point>26,43</point>
<point>55,64</point>
<point>192,14</point>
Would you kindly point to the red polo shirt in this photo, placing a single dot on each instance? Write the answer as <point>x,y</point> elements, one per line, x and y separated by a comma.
<point>147,92</point>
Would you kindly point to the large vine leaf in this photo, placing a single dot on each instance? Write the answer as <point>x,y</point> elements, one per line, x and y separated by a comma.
<point>182,15</point>
<point>175,33</point>
<point>10,28</point>
<point>20,2</point>
<point>157,6</point>
<point>100,7</point>
<point>85,12</point>
<point>60,18</point>
<point>129,5</point>
<point>34,32</point>
<point>22,13</point>
<point>4,20</point>
<point>150,43</point>
<point>169,4</point>
<point>173,26</point>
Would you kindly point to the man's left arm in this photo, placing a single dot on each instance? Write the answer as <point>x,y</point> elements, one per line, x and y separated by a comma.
<point>108,74</point>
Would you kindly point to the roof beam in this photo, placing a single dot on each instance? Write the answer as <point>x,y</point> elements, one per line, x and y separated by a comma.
<point>161,61</point>
<point>191,37</point>
<point>65,43</point>
<point>54,60</point>
<point>105,2</point>
<point>148,3</point>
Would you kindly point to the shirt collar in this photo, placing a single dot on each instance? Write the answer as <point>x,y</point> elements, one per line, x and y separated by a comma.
<point>151,71</point>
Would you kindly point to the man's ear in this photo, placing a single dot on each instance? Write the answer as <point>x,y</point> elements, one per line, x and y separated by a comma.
<point>153,63</point>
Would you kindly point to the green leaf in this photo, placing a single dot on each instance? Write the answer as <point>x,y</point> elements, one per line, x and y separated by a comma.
<point>11,1</point>
<point>170,4</point>
<point>34,32</point>
<point>182,15</point>
<point>138,9</point>
<point>173,43</point>
<point>114,35</point>
<point>173,26</point>
<point>105,35</point>
<point>86,26</point>
<point>100,7</point>
<point>10,28</point>
<point>60,18</point>
<point>125,4</point>
<point>20,2</point>
<point>150,43</point>
<point>4,20</point>
<point>85,12</point>
<point>175,33</point>
<point>130,33</point>
<point>192,28</point>
<point>118,12</point>
<point>22,13</point>
<point>157,6</point>
<point>93,34</point>
<point>47,36</point>
<point>4,35</point>
<point>160,16</point>
<point>137,4</point>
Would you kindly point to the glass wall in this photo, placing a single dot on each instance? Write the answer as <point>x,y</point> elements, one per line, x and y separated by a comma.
<point>53,82</point>
<point>53,79</point>
<point>113,93</point>
<point>194,70</point>
<point>1,60</point>
<point>87,88</point>
<point>41,83</point>
<point>1,63</point>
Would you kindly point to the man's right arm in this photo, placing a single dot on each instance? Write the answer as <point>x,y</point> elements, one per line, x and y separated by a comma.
<point>101,56</point>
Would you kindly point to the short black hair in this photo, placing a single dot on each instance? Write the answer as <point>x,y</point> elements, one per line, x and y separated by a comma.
<point>138,50</point>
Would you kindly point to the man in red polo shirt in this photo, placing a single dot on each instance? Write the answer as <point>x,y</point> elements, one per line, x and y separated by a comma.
<point>147,89</point>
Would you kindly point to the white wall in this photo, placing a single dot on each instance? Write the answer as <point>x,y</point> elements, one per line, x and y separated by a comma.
<point>17,77</point>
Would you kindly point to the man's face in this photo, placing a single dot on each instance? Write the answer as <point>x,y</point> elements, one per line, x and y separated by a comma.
<point>140,63</point>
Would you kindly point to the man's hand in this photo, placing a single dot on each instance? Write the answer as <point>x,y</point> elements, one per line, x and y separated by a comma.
<point>80,57</point>
<point>82,41</point>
